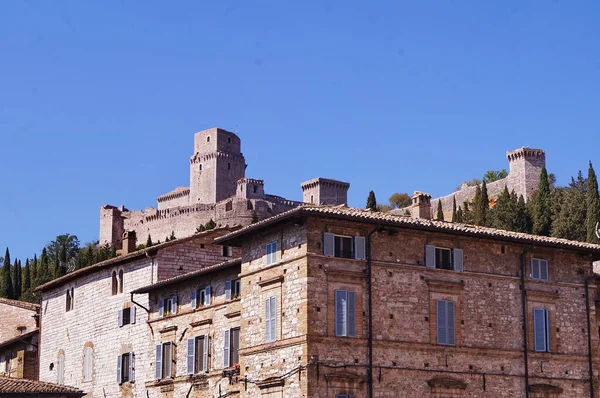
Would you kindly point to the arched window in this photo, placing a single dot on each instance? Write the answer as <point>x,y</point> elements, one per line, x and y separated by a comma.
<point>87,364</point>
<point>120,281</point>
<point>60,369</point>
<point>115,284</point>
<point>68,301</point>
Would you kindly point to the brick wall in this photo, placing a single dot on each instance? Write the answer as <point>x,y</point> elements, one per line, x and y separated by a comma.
<point>14,316</point>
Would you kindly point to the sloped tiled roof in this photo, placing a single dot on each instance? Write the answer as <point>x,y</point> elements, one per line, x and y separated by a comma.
<point>19,337</point>
<point>189,275</point>
<point>26,387</point>
<point>21,304</point>
<point>364,215</point>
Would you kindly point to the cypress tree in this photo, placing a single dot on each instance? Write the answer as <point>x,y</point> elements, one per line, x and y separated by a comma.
<point>16,279</point>
<point>478,216</point>
<point>483,205</point>
<point>467,215</point>
<point>372,202</point>
<point>459,215</point>
<point>523,220</point>
<point>34,266</point>
<point>27,276</point>
<point>454,211</point>
<point>541,206</point>
<point>593,205</point>
<point>44,268</point>
<point>149,241</point>
<point>6,287</point>
<point>440,213</point>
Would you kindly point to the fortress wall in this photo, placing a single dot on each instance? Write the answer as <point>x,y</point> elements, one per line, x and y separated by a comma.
<point>174,201</point>
<point>466,195</point>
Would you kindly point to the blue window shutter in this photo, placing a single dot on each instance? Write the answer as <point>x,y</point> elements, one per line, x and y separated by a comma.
<point>228,290</point>
<point>458,259</point>
<point>351,314</point>
<point>194,299</point>
<point>268,320</point>
<point>119,373</point>
<point>539,329</point>
<point>131,367</point>
<point>191,355</point>
<point>328,244</point>
<point>275,252</point>
<point>120,321</point>
<point>206,348</point>
<point>158,362</point>
<point>273,318</point>
<point>543,269</point>
<point>132,314</point>
<point>340,312</point>
<point>430,256</point>
<point>174,301</point>
<point>226,337</point>
<point>359,248</point>
<point>161,308</point>
<point>535,268</point>
<point>442,322</point>
<point>450,322</point>
<point>547,316</point>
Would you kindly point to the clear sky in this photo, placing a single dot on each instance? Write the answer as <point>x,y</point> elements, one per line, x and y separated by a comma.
<point>99,100</point>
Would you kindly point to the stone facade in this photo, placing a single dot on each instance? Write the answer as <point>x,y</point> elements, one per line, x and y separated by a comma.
<point>17,318</point>
<point>218,191</point>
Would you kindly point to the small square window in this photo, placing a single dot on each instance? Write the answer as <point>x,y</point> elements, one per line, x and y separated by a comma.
<point>539,269</point>
<point>443,258</point>
<point>272,253</point>
<point>227,251</point>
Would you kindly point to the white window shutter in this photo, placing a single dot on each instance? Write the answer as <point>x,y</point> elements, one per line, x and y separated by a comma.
<point>450,322</point>
<point>328,244</point>
<point>161,308</point>
<point>442,322</point>
<point>268,320</point>
<point>228,290</point>
<point>430,256</point>
<point>273,318</point>
<point>131,367</point>
<point>194,299</point>
<point>226,337</point>
<point>120,321</point>
<point>132,315</point>
<point>539,330</point>
<point>119,373</point>
<point>191,355</point>
<point>174,305</point>
<point>158,362</point>
<point>340,312</point>
<point>359,248</point>
<point>351,314</point>
<point>206,347</point>
<point>458,259</point>
<point>208,294</point>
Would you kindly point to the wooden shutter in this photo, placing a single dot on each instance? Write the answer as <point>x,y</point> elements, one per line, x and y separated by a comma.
<point>205,359</point>
<point>226,338</point>
<point>120,320</point>
<point>543,269</point>
<point>442,335</point>
<point>450,322</point>
<point>539,329</point>
<point>161,308</point>
<point>351,314</point>
<point>131,367</point>
<point>119,373</point>
<point>457,259</point>
<point>191,355</point>
<point>535,268</point>
<point>328,244</point>
<point>132,315</point>
<point>359,248</point>
<point>228,290</point>
<point>194,299</point>
<point>268,320</point>
<point>273,318</point>
<point>340,312</point>
<point>158,362</point>
<point>174,305</point>
<point>430,256</point>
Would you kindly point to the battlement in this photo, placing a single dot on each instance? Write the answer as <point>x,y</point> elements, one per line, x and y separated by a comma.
<point>526,153</point>
<point>217,139</point>
<point>325,191</point>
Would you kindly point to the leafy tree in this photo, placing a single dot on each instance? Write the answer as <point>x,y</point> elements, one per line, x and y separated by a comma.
<point>6,287</point>
<point>371,201</point>
<point>568,210</point>
<point>210,225</point>
<point>172,236</point>
<point>200,228</point>
<point>459,215</point>
<point>399,200</point>
<point>502,215</point>
<point>149,241</point>
<point>494,175</point>
<point>440,213</point>
<point>61,251</point>
<point>454,211</point>
<point>16,279</point>
<point>593,205</point>
<point>384,208</point>
<point>541,206</point>
<point>466,214</point>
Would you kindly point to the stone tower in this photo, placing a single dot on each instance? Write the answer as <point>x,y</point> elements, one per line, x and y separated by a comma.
<point>216,166</point>
<point>525,168</point>
<point>323,191</point>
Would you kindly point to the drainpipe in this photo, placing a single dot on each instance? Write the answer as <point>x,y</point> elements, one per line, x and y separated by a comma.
<point>524,310</point>
<point>589,334</point>
<point>370,318</point>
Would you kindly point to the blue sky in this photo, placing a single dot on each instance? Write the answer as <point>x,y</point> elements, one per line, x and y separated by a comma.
<point>99,100</point>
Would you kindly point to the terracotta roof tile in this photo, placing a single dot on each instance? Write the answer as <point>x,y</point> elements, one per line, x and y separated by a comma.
<point>22,386</point>
<point>22,304</point>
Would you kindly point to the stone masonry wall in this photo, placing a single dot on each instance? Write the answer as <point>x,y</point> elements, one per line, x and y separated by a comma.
<point>13,316</point>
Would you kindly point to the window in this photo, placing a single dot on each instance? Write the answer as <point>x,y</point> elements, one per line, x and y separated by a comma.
<point>344,246</point>
<point>270,319</point>
<point>344,396</point>
<point>60,369</point>
<point>208,139</point>
<point>231,345</point>
<point>70,299</point>
<point>126,316</point>
<point>120,281</point>
<point>228,166</point>
<point>345,313</point>
<point>541,330</point>
<point>197,354</point>
<point>115,283</point>
<point>164,361</point>
<point>272,252</point>
<point>228,206</point>
<point>312,199</point>
<point>445,322</point>
<point>232,289</point>
<point>443,258</point>
<point>539,269</point>
<point>87,364</point>
<point>125,368</point>
<point>227,251</point>
<point>229,140</point>
<point>204,296</point>
<point>167,306</point>
<point>200,167</point>
<point>22,329</point>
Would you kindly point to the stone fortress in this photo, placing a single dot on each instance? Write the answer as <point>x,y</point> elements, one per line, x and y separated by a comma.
<point>218,191</point>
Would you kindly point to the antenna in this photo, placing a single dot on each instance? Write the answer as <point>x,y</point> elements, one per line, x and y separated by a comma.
<point>69,265</point>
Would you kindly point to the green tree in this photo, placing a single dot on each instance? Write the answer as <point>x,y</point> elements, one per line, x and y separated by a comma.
<point>593,205</point>
<point>200,228</point>
<point>149,241</point>
<point>172,236</point>
<point>454,211</point>
<point>34,269</point>
<point>6,287</point>
<point>440,213</point>
<point>459,215</point>
<point>16,279</point>
<point>210,225</point>
<point>502,215</point>
<point>480,204</point>
<point>61,251</point>
<point>399,200</point>
<point>523,221</point>
<point>44,274</point>
<point>568,210</point>
<point>27,276</point>
<point>254,217</point>
<point>371,201</point>
<point>494,175</point>
<point>541,206</point>
<point>467,214</point>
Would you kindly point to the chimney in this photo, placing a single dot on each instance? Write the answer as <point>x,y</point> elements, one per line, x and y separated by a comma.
<point>421,205</point>
<point>128,242</point>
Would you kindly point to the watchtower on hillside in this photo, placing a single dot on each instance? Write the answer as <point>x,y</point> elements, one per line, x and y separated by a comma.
<point>525,168</point>
<point>324,191</point>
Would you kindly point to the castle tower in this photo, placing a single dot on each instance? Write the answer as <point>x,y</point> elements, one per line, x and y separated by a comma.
<point>216,166</point>
<point>323,191</point>
<point>525,168</point>
<point>421,205</point>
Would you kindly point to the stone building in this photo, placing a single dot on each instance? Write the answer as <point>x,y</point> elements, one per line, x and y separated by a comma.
<point>219,190</point>
<point>21,388</point>
<point>93,332</point>
<point>18,339</point>
<point>339,302</point>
